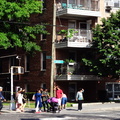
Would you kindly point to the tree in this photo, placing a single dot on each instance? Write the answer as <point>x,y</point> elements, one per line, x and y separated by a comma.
<point>15,27</point>
<point>106,45</point>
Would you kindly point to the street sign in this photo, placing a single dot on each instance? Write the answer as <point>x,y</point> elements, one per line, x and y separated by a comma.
<point>48,57</point>
<point>59,61</point>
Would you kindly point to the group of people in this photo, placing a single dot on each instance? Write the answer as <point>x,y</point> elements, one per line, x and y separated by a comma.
<point>41,99</point>
<point>41,96</point>
<point>21,99</point>
<point>62,98</point>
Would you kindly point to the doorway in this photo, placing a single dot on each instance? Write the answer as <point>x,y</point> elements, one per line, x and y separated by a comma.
<point>72,91</point>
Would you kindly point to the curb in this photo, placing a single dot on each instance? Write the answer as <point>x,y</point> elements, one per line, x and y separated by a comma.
<point>97,103</point>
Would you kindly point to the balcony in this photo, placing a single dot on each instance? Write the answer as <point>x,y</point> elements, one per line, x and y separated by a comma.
<point>73,72</point>
<point>82,39</point>
<point>77,77</point>
<point>83,9</point>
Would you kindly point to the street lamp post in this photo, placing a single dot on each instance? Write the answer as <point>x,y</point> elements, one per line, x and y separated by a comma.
<point>12,104</point>
<point>14,70</point>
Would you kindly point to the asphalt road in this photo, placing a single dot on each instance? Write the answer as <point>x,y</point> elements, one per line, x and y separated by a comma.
<point>107,111</point>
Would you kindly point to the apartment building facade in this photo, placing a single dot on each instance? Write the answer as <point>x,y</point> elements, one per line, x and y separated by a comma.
<point>60,61</point>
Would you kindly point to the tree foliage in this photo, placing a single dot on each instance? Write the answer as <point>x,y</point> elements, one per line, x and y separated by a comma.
<point>15,27</point>
<point>106,45</point>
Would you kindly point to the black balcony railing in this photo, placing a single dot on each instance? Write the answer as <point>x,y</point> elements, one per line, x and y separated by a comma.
<point>72,69</point>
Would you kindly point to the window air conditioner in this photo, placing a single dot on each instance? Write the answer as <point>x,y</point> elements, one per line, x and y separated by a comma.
<point>110,3</point>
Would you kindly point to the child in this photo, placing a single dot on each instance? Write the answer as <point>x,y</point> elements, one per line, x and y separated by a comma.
<point>63,101</point>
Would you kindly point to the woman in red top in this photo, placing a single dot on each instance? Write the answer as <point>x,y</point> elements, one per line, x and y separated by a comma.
<point>59,93</point>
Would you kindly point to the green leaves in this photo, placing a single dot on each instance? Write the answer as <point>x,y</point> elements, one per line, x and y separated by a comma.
<point>15,29</point>
<point>68,33</point>
<point>106,43</point>
<point>31,46</point>
<point>4,41</point>
<point>19,10</point>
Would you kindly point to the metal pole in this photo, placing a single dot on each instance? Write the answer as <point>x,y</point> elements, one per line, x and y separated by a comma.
<point>12,104</point>
<point>53,50</point>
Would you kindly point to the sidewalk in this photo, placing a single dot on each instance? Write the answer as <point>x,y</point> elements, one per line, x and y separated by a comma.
<point>90,111</point>
<point>87,107</point>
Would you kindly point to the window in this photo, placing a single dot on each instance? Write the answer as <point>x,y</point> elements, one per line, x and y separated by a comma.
<point>1,67</point>
<point>117,3</point>
<point>113,3</point>
<point>43,37</point>
<point>71,25</point>
<point>12,61</point>
<point>113,90</point>
<point>27,63</point>
<point>43,61</point>
<point>43,85</point>
<point>6,62</point>
<point>43,4</point>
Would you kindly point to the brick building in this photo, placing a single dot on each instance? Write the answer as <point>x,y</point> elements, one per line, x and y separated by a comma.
<point>80,15</point>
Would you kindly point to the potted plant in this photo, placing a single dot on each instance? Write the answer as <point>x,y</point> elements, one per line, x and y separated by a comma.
<point>70,62</point>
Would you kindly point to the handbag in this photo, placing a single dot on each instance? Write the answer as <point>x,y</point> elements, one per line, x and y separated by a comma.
<point>33,97</point>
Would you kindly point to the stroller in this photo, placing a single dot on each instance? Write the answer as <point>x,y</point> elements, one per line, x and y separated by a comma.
<point>53,102</point>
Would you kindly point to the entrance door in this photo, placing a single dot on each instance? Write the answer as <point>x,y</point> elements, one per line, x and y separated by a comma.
<point>72,91</point>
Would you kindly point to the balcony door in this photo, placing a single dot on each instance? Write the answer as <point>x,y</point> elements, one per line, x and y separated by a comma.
<point>72,55</point>
<point>84,25</point>
<point>84,30</point>
<point>72,25</point>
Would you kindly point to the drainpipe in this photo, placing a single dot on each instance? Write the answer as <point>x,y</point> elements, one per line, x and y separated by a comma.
<point>53,51</point>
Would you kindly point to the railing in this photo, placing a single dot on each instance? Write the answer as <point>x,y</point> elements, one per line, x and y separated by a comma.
<point>91,5</point>
<point>80,36</point>
<point>74,69</point>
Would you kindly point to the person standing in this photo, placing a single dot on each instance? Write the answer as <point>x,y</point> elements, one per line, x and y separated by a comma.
<point>38,101</point>
<point>24,98</point>
<point>45,97</point>
<point>63,101</point>
<point>19,98</point>
<point>79,98</point>
<point>1,98</point>
<point>59,93</point>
